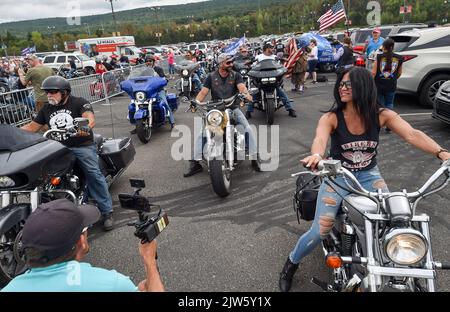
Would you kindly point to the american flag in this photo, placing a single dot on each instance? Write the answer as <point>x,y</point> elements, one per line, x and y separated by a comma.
<point>294,54</point>
<point>332,16</point>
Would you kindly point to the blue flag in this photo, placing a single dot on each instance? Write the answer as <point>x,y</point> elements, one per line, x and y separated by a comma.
<point>232,48</point>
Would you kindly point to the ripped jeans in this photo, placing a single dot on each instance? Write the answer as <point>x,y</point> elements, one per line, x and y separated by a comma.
<point>328,205</point>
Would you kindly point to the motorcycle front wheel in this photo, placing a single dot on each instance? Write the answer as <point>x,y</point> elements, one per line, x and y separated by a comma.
<point>270,111</point>
<point>12,262</point>
<point>143,130</point>
<point>220,177</point>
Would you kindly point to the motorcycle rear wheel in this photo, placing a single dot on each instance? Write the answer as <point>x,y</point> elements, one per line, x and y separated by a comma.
<point>143,130</point>
<point>220,178</point>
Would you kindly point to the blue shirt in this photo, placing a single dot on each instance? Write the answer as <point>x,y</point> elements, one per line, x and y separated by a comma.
<point>373,46</point>
<point>70,276</point>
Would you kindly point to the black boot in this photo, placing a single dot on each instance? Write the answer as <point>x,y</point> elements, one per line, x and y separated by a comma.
<point>108,222</point>
<point>133,131</point>
<point>248,115</point>
<point>194,168</point>
<point>286,275</point>
<point>292,113</point>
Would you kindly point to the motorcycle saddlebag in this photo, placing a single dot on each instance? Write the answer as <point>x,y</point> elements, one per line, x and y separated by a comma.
<point>172,99</point>
<point>305,197</point>
<point>118,152</point>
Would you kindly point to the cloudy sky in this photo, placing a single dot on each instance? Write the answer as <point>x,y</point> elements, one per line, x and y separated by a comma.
<point>19,10</point>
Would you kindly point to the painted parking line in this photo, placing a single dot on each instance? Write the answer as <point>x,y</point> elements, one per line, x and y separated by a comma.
<point>416,114</point>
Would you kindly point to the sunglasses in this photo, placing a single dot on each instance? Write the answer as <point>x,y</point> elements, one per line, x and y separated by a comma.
<point>346,83</point>
<point>51,91</point>
<point>229,63</point>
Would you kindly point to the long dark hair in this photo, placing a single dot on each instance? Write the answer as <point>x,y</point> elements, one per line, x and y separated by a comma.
<point>364,93</point>
<point>388,45</point>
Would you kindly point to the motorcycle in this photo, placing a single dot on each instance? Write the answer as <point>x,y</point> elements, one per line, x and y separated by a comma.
<point>241,67</point>
<point>35,170</point>
<point>267,76</point>
<point>64,70</point>
<point>225,145</point>
<point>185,86</point>
<point>378,242</point>
<point>146,110</point>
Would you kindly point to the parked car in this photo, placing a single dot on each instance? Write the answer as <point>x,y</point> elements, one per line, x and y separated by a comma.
<point>42,55</point>
<point>426,53</point>
<point>441,109</point>
<point>83,62</point>
<point>198,46</point>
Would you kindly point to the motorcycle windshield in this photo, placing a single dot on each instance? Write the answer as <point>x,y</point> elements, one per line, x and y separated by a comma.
<point>143,80</point>
<point>13,139</point>
<point>267,69</point>
<point>188,65</point>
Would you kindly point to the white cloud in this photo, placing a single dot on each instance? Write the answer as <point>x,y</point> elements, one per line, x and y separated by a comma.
<point>13,10</point>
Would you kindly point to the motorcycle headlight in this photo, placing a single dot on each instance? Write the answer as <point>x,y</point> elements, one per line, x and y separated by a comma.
<point>214,118</point>
<point>265,80</point>
<point>405,246</point>
<point>273,79</point>
<point>185,72</point>
<point>140,96</point>
<point>6,182</point>
<point>243,72</point>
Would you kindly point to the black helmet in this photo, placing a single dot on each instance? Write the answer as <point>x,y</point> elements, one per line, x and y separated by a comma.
<point>56,83</point>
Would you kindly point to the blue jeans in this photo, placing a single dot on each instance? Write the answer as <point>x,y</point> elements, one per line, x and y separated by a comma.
<point>71,72</point>
<point>197,82</point>
<point>96,184</point>
<point>240,120</point>
<point>386,99</point>
<point>328,205</point>
<point>171,69</point>
<point>163,99</point>
<point>282,95</point>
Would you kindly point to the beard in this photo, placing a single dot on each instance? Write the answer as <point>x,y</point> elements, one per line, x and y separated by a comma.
<point>53,102</point>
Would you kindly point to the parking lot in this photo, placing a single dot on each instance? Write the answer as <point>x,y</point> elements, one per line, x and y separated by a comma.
<point>240,243</point>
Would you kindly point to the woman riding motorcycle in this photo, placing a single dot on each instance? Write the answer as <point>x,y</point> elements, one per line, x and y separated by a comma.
<point>353,124</point>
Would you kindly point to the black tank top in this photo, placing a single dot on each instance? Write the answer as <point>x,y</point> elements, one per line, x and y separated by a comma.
<point>356,152</point>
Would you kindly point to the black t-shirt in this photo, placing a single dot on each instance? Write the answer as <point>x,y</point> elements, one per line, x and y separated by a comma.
<point>159,71</point>
<point>280,47</point>
<point>108,66</point>
<point>72,64</point>
<point>223,88</point>
<point>386,80</point>
<point>62,116</point>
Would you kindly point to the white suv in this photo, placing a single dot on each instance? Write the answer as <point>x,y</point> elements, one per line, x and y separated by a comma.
<point>83,62</point>
<point>427,62</point>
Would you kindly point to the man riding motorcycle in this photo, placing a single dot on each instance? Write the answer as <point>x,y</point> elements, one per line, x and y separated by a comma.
<point>150,62</point>
<point>223,83</point>
<point>268,55</point>
<point>60,113</point>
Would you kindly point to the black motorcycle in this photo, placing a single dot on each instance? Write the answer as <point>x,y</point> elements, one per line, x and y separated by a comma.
<point>185,85</point>
<point>241,66</point>
<point>267,76</point>
<point>35,170</point>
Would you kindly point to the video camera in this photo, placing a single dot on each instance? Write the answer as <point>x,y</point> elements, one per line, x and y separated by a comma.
<point>147,228</point>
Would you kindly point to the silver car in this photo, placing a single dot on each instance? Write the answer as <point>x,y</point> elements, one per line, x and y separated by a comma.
<point>426,65</point>
<point>442,104</point>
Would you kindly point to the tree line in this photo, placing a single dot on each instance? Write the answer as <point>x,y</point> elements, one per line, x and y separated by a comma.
<point>276,17</point>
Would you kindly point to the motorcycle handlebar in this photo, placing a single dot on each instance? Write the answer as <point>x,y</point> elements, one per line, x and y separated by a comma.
<point>323,171</point>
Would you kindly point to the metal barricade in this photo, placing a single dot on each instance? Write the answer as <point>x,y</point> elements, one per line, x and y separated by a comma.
<point>17,108</point>
<point>111,81</point>
<point>88,87</point>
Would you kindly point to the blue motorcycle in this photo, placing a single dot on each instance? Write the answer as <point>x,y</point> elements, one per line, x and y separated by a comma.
<point>148,109</point>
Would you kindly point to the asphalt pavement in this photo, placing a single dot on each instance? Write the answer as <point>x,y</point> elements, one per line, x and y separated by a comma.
<point>240,243</point>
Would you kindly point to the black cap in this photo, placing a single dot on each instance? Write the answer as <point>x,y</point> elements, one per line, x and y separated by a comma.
<point>55,227</point>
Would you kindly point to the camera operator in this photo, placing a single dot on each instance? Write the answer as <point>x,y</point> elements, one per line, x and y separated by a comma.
<point>55,241</point>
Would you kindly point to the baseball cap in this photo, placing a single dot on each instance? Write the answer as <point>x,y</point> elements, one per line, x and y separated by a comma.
<point>55,227</point>
<point>377,30</point>
<point>223,58</point>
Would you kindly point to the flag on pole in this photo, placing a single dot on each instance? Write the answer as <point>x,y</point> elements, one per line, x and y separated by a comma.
<point>28,50</point>
<point>332,16</point>
<point>294,54</point>
<point>233,48</point>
